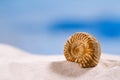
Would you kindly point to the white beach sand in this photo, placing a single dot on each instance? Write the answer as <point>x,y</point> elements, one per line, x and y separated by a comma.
<point>19,65</point>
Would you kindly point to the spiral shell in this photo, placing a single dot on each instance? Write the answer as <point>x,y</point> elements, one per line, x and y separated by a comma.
<point>82,48</point>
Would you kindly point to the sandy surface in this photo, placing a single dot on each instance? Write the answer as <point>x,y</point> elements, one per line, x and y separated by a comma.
<point>16,64</point>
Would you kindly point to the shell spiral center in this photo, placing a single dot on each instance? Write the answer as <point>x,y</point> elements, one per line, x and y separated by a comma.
<point>77,49</point>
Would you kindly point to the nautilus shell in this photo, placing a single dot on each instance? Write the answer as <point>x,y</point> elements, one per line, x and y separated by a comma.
<point>83,49</point>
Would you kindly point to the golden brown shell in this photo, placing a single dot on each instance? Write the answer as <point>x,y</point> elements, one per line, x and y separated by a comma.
<point>82,48</point>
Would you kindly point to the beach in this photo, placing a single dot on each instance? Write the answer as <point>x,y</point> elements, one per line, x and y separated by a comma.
<point>16,64</point>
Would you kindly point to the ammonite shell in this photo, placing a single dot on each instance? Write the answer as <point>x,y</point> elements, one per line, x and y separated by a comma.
<point>82,48</point>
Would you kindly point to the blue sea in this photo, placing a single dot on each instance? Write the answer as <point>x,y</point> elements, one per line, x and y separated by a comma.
<point>42,27</point>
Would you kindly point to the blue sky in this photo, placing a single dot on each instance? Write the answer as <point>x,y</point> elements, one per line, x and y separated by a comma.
<point>42,26</point>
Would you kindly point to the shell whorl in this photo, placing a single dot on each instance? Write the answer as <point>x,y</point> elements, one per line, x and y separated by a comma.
<point>82,48</point>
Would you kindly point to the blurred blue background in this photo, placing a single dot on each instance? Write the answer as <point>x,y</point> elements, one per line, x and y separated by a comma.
<point>42,26</point>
